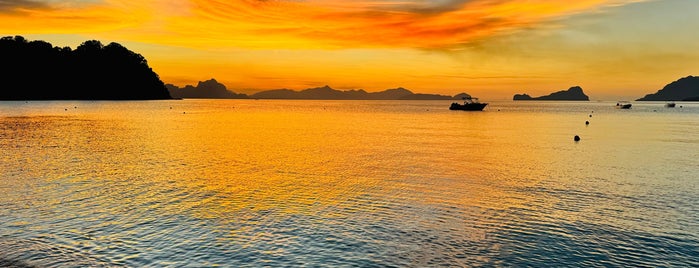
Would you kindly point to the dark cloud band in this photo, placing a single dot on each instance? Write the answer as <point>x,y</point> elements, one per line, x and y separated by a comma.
<point>18,6</point>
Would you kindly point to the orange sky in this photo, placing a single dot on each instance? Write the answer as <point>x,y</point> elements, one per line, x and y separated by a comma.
<point>491,49</point>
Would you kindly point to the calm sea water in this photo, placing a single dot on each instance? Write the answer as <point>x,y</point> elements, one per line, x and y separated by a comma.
<point>233,183</point>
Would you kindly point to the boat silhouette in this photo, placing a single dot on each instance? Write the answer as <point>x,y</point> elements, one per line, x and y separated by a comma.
<point>470,104</point>
<point>623,105</point>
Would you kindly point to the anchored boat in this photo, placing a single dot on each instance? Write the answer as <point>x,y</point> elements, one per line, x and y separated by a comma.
<point>470,104</point>
<point>623,105</point>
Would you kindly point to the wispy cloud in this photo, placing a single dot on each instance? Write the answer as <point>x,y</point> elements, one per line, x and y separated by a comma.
<point>74,16</point>
<point>373,23</point>
<point>306,23</point>
<point>20,6</point>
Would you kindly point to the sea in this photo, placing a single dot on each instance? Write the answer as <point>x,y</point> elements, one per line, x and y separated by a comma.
<point>310,183</point>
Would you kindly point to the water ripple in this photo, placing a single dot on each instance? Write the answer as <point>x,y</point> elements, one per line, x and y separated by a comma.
<point>137,184</point>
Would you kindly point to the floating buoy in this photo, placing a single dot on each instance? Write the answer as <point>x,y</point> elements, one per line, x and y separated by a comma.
<point>576,138</point>
<point>587,122</point>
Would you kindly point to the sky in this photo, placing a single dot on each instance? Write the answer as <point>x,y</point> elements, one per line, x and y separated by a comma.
<point>492,49</point>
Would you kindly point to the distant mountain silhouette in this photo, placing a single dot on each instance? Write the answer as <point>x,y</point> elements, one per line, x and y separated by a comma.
<point>686,88</point>
<point>38,71</point>
<point>462,96</point>
<point>572,94</point>
<point>421,96</point>
<point>328,93</point>
<point>209,89</point>
<point>319,93</point>
<point>522,97</point>
<point>390,94</point>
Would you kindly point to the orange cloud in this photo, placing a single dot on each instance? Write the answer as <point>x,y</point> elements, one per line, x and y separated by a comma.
<point>20,6</point>
<point>292,24</point>
<point>377,23</point>
<point>71,17</point>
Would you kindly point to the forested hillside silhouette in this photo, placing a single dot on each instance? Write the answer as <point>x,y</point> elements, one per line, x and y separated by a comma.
<point>36,70</point>
<point>684,89</point>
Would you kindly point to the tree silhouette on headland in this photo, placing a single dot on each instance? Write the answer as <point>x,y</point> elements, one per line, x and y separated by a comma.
<point>35,70</point>
<point>684,89</point>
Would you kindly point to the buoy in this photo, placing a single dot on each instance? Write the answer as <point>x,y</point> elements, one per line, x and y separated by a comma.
<point>576,138</point>
<point>587,122</point>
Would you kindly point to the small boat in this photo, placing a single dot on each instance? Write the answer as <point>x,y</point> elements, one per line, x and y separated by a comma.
<point>623,105</point>
<point>470,104</point>
<point>670,104</point>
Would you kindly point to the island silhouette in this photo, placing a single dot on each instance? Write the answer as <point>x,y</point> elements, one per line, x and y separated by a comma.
<point>212,89</point>
<point>328,93</point>
<point>572,94</point>
<point>209,89</point>
<point>36,70</point>
<point>684,89</point>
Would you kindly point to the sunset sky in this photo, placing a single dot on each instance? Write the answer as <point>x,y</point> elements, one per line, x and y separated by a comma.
<point>493,49</point>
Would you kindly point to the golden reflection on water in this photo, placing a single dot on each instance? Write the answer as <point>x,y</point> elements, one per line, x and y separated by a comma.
<point>261,170</point>
<point>307,161</point>
<point>298,161</point>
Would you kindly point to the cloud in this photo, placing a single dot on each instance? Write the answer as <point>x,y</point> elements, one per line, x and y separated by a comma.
<point>304,23</point>
<point>379,23</point>
<point>94,17</point>
<point>19,6</point>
